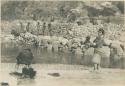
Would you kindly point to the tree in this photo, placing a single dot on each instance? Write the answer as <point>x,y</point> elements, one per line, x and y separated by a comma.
<point>120,5</point>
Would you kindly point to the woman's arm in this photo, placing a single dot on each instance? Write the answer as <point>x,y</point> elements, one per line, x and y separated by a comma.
<point>107,42</point>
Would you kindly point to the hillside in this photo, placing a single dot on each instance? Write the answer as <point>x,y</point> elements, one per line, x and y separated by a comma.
<point>37,10</point>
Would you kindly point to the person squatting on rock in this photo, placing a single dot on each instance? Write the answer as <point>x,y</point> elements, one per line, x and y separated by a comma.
<point>24,57</point>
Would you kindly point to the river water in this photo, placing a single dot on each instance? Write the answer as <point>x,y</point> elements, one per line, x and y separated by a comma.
<point>10,50</point>
<point>68,65</point>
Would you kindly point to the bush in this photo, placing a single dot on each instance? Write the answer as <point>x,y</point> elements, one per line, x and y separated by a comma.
<point>15,33</point>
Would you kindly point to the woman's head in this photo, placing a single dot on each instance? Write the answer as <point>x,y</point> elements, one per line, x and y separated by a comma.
<point>88,38</point>
<point>101,32</point>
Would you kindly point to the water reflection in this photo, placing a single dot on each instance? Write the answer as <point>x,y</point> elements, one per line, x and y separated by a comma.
<point>9,51</point>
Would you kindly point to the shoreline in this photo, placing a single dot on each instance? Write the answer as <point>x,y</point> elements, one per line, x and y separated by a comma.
<point>59,67</point>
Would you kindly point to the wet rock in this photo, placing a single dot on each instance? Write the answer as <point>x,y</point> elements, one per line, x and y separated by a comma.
<point>4,84</point>
<point>54,74</point>
<point>16,73</point>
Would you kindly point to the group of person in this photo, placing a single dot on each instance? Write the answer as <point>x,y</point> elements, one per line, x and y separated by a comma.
<point>97,44</point>
<point>44,28</point>
<point>47,28</point>
<point>68,30</point>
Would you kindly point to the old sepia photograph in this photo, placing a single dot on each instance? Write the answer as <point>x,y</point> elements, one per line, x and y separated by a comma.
<point>62,43</point>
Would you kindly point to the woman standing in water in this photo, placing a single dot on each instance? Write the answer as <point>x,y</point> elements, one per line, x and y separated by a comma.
<point>98,51</point>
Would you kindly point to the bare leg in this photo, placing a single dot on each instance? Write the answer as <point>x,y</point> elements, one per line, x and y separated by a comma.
<point>28,66</point>
<point>16,67</point>
<point>97,66</point>
<point>123,62</point>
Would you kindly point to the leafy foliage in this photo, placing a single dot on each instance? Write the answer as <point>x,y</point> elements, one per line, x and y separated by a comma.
<point>37,10</point>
